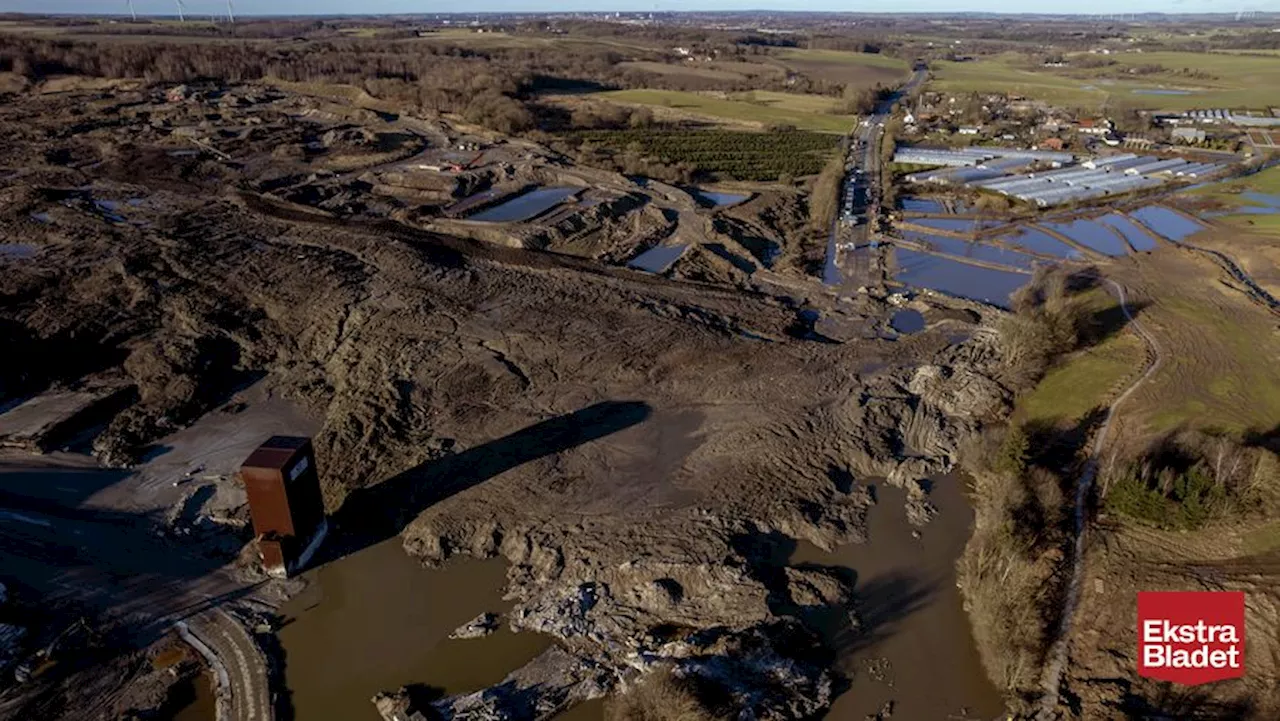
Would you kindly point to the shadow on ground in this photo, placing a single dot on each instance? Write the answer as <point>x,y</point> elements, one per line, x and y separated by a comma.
<point>374,514</point>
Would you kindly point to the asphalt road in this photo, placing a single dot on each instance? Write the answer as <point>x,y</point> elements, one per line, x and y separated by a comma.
<point>848,255</point>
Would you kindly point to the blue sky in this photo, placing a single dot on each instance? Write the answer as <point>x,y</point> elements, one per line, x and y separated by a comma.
<point>298,7</point>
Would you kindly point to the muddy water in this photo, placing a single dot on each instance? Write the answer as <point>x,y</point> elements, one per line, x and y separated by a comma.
<point>375,621</point>
<point>201,702</point>
<point>915,648</point>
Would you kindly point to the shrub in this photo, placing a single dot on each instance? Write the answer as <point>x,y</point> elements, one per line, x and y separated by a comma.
<point>1168,499</point>
<point>659,696</point>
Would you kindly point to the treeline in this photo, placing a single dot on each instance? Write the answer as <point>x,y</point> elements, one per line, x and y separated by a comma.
<point>489,86</point>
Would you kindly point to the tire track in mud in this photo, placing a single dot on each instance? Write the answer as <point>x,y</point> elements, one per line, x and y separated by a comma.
<point>1051,680</point>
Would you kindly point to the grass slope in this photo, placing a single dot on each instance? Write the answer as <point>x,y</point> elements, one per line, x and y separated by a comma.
<point>1238,81</point>
<point>805,112</point>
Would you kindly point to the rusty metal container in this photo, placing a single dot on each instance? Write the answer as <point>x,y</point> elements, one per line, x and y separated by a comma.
<point>283,487</point>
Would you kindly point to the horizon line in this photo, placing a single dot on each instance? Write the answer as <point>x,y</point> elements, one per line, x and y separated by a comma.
<point>1257,14</point>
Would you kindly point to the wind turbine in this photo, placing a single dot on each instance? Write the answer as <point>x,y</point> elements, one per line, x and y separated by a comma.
<point>181,17</point>
<point>133,13</point>
<point>231,13</point>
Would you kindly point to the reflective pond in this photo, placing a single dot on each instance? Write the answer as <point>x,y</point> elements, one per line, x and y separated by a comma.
<point>1092,235</point>
<point>658,258</point>
<point>1038,241</point>
<point>526,206</point>
<point>1139,239</point>
<point>907,321</point>
<point>922,270</point>
<point>1166,222</point>
<point>717,199</point>
<point>977,251</point>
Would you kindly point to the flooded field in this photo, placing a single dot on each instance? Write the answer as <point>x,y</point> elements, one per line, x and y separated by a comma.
<point>1265,203</point>
<point>1166,222</point>
<point>524,207</point>
<point>922,205</point>
<point>977,251</point>
<point>959,225</point>
<point>658,258</point>
<point>1039,242</point>
<point>1093,235</point>
<point>922,270</point>
<point>1139,239</point>
<point>390,619</point>
<point>915,648</point>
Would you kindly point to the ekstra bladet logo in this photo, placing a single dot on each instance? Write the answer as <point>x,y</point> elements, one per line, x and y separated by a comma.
<point>1191,637</point>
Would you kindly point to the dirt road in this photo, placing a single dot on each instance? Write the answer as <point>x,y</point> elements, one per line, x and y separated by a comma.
<point>1052,678</point>
<point>246,670</point>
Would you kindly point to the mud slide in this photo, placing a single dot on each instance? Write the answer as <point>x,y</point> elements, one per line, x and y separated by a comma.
<point>1057,656</point>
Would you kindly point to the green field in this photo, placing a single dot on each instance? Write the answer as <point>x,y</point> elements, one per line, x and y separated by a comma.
<point>1083,382</point>
<point>860,70</point>
<point>843,57</point>
<point>1238,81</point>
<point>1228,381</point>
<point>1267,181</point>
<point>805,112</point>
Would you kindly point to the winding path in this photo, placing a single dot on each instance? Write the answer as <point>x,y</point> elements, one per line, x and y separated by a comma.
<point>243,690</point>
<point>1057,657</point>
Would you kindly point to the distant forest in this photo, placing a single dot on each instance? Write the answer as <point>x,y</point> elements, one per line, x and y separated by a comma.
<point>496,86</point>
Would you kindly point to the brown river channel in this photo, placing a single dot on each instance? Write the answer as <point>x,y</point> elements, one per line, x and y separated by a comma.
<point>916,649</point>
<point>376,620</point>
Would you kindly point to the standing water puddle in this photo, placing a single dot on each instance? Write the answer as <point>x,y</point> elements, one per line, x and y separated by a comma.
<point>658,258</point>
<point>200,700</point>
<point>976,251</point>
<point>1040,242</point>
<point>524,207</point>
<point>922,270</point>
<point>717,199</point>
<point>915,647</point>
<point>375,621</point>
<point>907,321</point>
<point>1138,238</point>
<point>17,251</point>
<point>1092,235</point>
<point>1166,222</point>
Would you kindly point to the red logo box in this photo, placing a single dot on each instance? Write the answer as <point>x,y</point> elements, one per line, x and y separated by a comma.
<point>1191,637</point>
